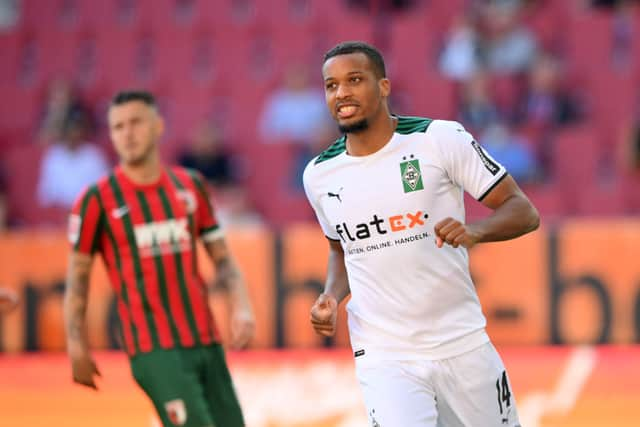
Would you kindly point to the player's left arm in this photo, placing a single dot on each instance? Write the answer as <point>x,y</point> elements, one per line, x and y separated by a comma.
<point>469,166</point>
<point>228,277</point>
<point>513,215</point>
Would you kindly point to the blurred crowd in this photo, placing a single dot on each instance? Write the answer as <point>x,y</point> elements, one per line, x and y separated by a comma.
<point>527,78</point>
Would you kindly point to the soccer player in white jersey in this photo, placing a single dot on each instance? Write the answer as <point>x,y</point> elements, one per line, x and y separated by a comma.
<point>389,197</point>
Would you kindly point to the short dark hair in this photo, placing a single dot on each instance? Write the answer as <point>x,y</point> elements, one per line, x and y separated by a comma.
<point>126,96</point>
<point>374,55</point>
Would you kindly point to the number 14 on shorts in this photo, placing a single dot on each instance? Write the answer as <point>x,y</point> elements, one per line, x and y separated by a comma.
<point>504,396</point>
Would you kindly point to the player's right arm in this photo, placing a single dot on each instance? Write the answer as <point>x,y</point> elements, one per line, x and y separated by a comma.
<point>325,310</point>
<point>75,308</point>
<point>84,231</point>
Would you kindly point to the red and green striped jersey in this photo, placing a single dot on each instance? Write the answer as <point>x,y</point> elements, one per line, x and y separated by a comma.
<point>147,235</point>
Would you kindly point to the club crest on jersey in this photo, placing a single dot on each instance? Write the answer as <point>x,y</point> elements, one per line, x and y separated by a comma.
<point>410,174</point>
<point>189,200</point>
<point>176,412</point>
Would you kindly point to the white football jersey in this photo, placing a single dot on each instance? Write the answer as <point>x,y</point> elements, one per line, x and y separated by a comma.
<point>409,298</point>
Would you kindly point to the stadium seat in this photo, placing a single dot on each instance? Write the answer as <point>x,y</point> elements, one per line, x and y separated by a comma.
<point>548,200</point>
<point>506,91</point>
<point>39,14</point>
<point>428,94</point>
<point>22,164</point>
<point>271,182</point>
<point>441,14</point>
<point>602,199</point>
<point>630,183</point>
<point>19,116</point>
<point>613,98</point>
<point>118,56</point>
<point>576,161</point>
<point>588,39</point>
<point>413,45</point>
<point>547,19</point>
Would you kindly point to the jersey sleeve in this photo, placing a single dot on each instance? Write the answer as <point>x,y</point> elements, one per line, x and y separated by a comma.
<point>466,162</point>
<point>85,222</point>
<point>325,225</point>
<point>207,223</point>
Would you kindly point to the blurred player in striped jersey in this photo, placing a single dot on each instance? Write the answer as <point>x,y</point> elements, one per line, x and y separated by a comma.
<point>144,219</point>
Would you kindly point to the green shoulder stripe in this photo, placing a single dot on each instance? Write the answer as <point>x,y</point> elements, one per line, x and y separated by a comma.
<point>408,125</point>
<point>337,148</point>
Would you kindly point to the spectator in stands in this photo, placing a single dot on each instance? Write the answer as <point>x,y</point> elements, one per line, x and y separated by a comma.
<point>459,58</point>
<point>208,155</point>
<point>507,46</point>
<point>9,14</point>
<point>546,103</point>
<point>623,32</point>
<point>70,164</point>
<point>511,150</point>
<point>61,102</point>
<point>611,3</point>
<point>381,6</point>
<point>295,113</point>
<point>224,172</point>
<point>476,110</point>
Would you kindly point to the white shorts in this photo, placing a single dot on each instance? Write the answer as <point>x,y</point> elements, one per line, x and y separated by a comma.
<point>470,390</point>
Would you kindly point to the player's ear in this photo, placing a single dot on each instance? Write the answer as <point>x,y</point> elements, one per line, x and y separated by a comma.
<point>385,87</point>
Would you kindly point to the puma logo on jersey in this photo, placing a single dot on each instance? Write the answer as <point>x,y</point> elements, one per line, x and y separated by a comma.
<point>162,234</point>
<point>118,213</point>
<point>336,195</point>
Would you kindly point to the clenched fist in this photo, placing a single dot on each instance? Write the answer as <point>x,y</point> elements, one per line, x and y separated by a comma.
<point>455,233</point>
<point>323,315</point>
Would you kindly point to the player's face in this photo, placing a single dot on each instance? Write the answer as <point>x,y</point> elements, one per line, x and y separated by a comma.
<point>353,92</point>
<point>135,128</point>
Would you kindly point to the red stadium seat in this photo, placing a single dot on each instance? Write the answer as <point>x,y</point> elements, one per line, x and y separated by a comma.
<point>413,45</point>
<point>602,199</point>
<point>272,183</point>
<point>428,94</point>
<point>548,20</point>
<point>630,183</point>
<point>613,98</point>
<point>22,167</point>
<point>441,14</point>
<point>576,159</point>
<point>548,199</point>
<point>588,39</point>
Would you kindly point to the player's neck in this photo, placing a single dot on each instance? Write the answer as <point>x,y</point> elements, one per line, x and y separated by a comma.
<point>147,172</point>
<point>376,136</point>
